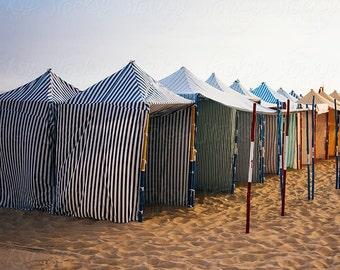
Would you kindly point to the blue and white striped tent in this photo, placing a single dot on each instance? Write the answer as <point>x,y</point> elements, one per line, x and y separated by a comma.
<point>214,138</point>
<point>243,135</point>
<point>100,143</point>
<point>238,87</point>
<point>27,142</point>
<point>286,95</point>
<point>264,92</point>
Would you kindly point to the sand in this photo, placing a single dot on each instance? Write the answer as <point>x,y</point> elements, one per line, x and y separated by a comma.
<point>209,236</point>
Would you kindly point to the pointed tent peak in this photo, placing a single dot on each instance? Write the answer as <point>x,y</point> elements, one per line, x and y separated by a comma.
<point>266,93</point>
<point>335,95</point>
<point>321,90</point>
<point>132,85</point>
<point>48,87</point>
<point>318,99</point>
<point>237,81</point>
<point>286,95</point>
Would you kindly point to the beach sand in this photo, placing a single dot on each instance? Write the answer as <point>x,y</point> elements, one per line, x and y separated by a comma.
<point>209,236</point>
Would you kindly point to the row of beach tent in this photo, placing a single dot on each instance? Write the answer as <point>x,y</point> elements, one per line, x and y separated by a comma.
<point>128,140</point>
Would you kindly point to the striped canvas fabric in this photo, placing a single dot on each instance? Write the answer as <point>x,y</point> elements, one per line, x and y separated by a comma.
<point>244,131</point>
<point>214,137</point>
<point>27,142</point>
<point>271,145</point>
<point>168,159</point>
<point>264,92</point>
<point>238,87</point>
<point>99,162</point>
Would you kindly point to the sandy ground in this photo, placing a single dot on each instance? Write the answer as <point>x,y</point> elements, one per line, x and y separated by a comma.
<point>209,236</point>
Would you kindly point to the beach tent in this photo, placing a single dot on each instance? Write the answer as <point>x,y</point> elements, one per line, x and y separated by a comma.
<point>101,148</point>
<point>286,95</point>
<point>214,139</point>
<point>238,87</point>
<point>321,125</point>
<point>27,142</point>
<point>335,95</point>
<point>330,115</point>
<point>243,136</point>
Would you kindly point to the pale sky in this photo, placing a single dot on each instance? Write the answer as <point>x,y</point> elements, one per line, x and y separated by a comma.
<point>293,44</point>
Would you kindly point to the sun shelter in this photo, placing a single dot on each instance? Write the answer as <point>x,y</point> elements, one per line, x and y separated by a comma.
<point>238,87</point>
<point>321,125</point>
<point>335,95</point>
<point>331,122</point>
<point>122,140</point>
<point>215,133</point>
<point>244,119</point>
<point>28,140</point>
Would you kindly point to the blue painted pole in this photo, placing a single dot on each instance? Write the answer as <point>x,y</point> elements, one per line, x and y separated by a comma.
<point>308,157</point>
<point>278,137</point>
<point>235,153</point>
<point>313,146</point>
<point>337,184</point>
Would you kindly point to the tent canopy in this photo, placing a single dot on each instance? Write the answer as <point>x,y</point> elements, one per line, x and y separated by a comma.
<point>238,87</point>
<point>286,95</point>
<point>46,88</point>
<point>185,83</point>
<point>133,85</point>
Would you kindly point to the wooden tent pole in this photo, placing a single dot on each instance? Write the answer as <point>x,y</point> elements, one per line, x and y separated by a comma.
<point>337,186</point>
<point>191,183</point>
<point>143,170</point>
<point>313,144</point>
<point>250,171</point>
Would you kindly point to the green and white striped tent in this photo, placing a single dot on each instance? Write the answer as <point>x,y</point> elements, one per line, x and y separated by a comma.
<point>243,136</point>
<point>215,134</point>
<point>27,142</point>
<point>100,148</point>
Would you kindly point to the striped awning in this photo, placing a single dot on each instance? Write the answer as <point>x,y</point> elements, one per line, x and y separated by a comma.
<point>264,92</point>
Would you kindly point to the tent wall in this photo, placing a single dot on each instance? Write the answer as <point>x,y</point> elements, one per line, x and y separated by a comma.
<point>320,136</point>
<point>331,123</point>
<point>214,144</point>
<point>242,166</point>
<point>292,141</point>
<point>168,159</point>
<point>271,146</point>
<point>99,149</point>
<point>26,157</point>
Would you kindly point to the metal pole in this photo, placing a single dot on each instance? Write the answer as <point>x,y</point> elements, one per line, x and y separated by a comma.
<point>313,145</point>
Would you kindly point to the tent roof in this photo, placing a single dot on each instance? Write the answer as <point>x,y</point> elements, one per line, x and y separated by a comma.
<point>47,88</point>
<point>132,85</point>
<point>238,87</point>
<point>328,97</point>
<point>335,95</point>
<point>286,95</point>
<point>185,83</point>
<point>318,99</point>
<point>264,92</point>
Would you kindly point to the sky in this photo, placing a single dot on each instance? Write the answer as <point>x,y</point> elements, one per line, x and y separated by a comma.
<point>293,44</point>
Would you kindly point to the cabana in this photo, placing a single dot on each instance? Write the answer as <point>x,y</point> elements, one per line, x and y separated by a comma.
<point>244,119</point>
<point>321,125</point>
<point>331,122</point>
<point>215,133</point>
<point>28,141</point>
<point>238,87</point>
<point>114,134</point>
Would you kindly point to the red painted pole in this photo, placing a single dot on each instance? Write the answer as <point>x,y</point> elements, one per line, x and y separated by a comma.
<point>285,151</point>
<point>250,171</point>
